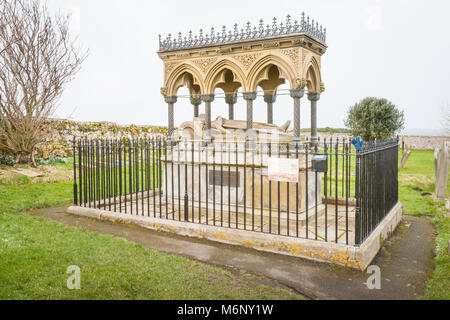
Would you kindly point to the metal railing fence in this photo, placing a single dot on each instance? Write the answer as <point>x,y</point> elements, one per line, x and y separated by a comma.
<point>227,184</point>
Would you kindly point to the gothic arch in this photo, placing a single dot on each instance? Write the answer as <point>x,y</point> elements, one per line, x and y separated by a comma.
<point>259,71</point>
<point>216,75</point>
<point>185,74</point>
<point>313,76</point>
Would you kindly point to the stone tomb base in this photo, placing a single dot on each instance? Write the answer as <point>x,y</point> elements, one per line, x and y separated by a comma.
<point>330,251</point>
<point>237,181</point>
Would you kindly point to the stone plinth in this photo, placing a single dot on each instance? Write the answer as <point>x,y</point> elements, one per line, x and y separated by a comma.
<point>238,179</point>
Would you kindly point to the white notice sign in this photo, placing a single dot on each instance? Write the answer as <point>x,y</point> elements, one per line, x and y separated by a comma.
<point>282,169</point>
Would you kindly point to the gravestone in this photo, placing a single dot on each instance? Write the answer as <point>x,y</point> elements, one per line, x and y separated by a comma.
<point>441,164</point>
<point>404,158</point>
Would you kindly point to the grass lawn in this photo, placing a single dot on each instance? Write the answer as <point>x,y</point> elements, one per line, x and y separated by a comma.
<point>35,253</point>
<point>416,182</point>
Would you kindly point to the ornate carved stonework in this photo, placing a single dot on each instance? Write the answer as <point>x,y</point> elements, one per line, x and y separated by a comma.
<point>322,87</point>
<point>289,53</point>
<point>183,55</point>
<point>169,66</point>
<point>205,63</point>
<point>163,91</point>
<point>223,50</point>
<point>293,54</point>
<point>300,83</point>
<point>271,44</point>
<point>247,59</point>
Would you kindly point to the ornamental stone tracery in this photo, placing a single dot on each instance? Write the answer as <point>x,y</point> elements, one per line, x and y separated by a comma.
<point>265,57</point>
<point>294,48</point>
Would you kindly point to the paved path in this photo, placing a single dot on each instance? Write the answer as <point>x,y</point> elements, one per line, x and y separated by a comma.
<point>405,260</point>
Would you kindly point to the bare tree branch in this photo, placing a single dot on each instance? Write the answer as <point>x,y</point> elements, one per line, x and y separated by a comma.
<point>38,57</point>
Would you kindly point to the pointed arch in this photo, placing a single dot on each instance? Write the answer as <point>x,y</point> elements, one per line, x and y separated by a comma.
<point>185,74</point>
<point>312,75</point>
<point>219,67</point>
<point>256,73</point>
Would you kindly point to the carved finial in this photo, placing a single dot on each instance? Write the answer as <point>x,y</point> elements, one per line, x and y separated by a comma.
<point>248,30</point>
<point>274,24</point>
<point>236,29</point>
<point>190,35</point>
<point>288,21</point>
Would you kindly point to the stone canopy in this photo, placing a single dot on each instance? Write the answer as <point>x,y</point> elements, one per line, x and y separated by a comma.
<point>262,57</point>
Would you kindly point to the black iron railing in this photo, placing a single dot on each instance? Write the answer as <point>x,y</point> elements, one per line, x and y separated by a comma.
<point>377,185</point>
<point>339,195</point>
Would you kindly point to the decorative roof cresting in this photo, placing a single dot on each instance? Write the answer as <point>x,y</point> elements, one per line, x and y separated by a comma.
<point>305,26</point>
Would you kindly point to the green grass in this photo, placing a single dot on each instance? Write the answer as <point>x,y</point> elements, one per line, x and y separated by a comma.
<point>419,173</point>
<point>35,253</point>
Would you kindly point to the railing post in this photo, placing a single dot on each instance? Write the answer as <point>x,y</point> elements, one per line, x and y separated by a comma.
<point>358,198</point>
<point>75,188</point>
<point>186,196</point>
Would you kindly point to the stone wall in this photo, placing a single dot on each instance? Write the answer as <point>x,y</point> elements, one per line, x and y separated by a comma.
<point>59,142</point>
<point>410,141</point>
<point>423,142</point>
<point>62,132</point>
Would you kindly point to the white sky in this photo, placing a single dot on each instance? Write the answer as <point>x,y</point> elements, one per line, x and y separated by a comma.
<point>398,49</point>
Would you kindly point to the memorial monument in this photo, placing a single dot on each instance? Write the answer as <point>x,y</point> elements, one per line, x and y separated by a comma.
<point>228,161</point>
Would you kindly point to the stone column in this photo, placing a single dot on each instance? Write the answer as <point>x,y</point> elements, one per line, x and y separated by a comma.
<point>207,99</point>
<point>297,95</point>
<point>170,100</point>
<point>313,97</point>
<point>249,97</point>
<point>230,100</point>
<point>270,99</point>
<point>196,102</point>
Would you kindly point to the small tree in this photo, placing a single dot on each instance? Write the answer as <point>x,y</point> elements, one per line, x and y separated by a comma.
<point>374,118</point>
<point>38,57</point>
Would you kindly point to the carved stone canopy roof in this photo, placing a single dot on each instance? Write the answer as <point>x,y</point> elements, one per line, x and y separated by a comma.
<point>289,27</point>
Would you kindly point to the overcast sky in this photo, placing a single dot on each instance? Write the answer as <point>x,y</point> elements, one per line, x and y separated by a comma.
<point>399,50</point>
